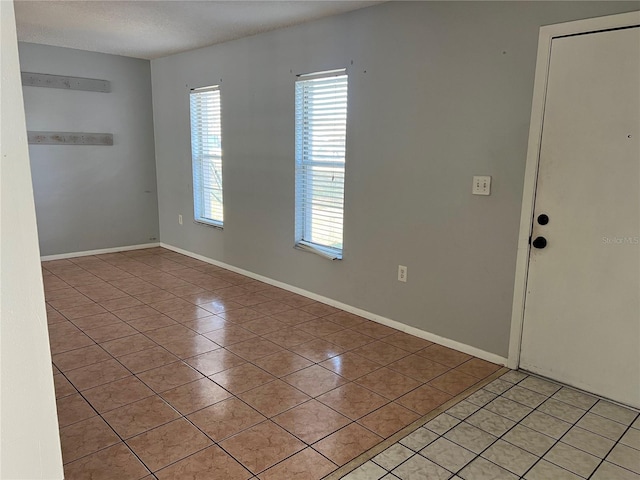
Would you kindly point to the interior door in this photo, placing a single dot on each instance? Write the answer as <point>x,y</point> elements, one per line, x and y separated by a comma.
<point>582,305</point>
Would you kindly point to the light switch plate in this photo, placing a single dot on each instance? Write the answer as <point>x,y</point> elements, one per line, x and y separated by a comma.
<point>481,185</point>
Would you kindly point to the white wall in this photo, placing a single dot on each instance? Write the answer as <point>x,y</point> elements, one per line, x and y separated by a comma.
<point>439,92</point>
<point>92,197</point>
<point>29,442</point>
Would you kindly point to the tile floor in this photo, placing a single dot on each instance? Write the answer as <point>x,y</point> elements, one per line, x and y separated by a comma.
<point>517,426</point>
<point>167,367</point>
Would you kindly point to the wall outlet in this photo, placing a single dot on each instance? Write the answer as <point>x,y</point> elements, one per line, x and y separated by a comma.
<point>402,273</point>
<point>180,219</point>
<point>481,185</point>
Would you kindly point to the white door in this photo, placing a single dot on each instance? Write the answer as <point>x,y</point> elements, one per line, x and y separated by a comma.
<point>582,305</point>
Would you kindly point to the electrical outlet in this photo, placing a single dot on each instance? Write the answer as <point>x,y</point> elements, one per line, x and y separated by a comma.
<point>481,185</point>
<point>402,273</point>
<point>180,219</point>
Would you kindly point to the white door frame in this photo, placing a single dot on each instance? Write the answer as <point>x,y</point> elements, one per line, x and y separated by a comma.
<point>547,33</point>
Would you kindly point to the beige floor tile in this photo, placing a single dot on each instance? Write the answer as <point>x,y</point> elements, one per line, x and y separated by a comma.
<point>367,471</point>
<point>393,456</point>
<point>442,423</point>
<point>561,410</point>
<point>631,438</point>
<point>481,469</point>
<point>602,426</point>
<point>609,471</point>
<point>544,470</point>
<point>543,423</point>
<point>418,468</point>
<point>418,439</point>
<point>470,437</point>
<point>625,457</point>
<point>510,457</point>
<point>572,459</point>
<point>447,454</point>
<point>529,440</point>
<point>614,412</point>
<point>490,422</point>
<point>589,442</point>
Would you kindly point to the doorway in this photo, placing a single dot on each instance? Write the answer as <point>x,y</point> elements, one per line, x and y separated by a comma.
<point>577,306</point>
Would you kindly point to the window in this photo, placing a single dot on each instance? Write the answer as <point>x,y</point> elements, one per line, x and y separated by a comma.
<point>206,155</point>
<point>321,127</point>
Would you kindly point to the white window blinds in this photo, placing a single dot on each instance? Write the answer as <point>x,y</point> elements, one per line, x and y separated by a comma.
<point>321,124</point>
<point>206,155</point>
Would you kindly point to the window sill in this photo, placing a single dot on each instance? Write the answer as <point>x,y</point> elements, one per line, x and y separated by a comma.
<point>324,252</point>
<point>218,226</point>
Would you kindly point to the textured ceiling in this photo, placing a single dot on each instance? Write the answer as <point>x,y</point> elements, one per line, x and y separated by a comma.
<point>151,29</point>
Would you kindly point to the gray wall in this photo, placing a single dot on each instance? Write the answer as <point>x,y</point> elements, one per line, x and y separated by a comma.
<point>439,92</point>
<point>91,197</point>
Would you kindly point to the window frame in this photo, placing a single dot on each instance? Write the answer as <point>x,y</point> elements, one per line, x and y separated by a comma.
<point>197,161</point>
<point>303,217</point>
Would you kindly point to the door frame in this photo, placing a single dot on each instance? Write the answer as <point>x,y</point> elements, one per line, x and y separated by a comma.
<point>547,34</point>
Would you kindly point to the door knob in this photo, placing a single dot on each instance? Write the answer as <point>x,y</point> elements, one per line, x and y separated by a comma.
<point>539,242</point>
<point>543,219</point>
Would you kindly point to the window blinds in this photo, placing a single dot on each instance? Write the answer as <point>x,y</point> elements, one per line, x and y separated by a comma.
<point>321,121</point>
<point>206,154</point>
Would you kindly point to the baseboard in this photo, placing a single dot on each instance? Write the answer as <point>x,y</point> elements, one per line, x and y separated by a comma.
<point>86,253</point>
<point>461,347</point>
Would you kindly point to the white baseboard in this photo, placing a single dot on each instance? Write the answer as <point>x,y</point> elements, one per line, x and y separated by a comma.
<point>86,253</point>
<point>461,347</point>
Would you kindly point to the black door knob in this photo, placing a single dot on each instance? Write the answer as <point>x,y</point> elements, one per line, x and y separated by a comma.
<point>539,242</point>
<point>543,219</point>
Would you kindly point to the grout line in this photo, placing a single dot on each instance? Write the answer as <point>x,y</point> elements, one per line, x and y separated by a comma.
<point>396,437</point>
<point>164,286</point>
